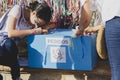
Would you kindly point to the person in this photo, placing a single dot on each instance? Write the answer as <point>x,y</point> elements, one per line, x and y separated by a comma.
<point>111,17</point>
<point>22,21</point>
<point>98,22</point>
<point>85,18</point>
<point>97,26</point>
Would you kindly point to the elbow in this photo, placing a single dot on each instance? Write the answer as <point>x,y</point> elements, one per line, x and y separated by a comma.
<point>10,35</point>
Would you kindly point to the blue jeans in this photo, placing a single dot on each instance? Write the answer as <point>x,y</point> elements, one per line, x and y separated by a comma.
<point>9,57</point>
<point>112,36</point>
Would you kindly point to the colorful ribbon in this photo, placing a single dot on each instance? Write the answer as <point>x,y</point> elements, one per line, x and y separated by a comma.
<point>66,13</point>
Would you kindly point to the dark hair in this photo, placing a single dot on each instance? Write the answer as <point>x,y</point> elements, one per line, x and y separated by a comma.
<point>43,10</point>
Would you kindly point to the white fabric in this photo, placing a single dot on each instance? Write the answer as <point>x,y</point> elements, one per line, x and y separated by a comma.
<point>16,12</point>
<point>110,9</point>
<point>82,2</point>
<point>98,5</point>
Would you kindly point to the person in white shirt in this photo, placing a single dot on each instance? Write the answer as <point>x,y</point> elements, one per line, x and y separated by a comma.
<point>110,11</point>
<point>22,21</point>
<point>98,22</point>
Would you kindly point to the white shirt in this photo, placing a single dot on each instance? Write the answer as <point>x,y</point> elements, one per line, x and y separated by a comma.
<point>16,12</point>
<point>110,9</point>
<point>98,5</point>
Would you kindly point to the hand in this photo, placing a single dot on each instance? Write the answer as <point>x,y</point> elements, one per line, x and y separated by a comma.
<point>90,30</point>
<point>78,33</point>
<point>37,30</point>
<point>44,31</point>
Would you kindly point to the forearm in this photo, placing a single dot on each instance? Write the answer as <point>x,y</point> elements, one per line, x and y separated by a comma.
<point>84,19</point>
<point>18,33</point>
<point>86,15</point>
<point>96,28</point>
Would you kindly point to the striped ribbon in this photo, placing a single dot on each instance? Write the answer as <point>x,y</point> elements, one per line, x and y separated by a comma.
<point>66,12</point>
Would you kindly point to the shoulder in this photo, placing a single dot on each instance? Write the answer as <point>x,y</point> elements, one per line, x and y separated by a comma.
<point>15,11</point>
<point>16,8</point>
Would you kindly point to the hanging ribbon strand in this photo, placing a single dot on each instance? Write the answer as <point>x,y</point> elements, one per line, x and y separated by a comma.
<point>66,13</point>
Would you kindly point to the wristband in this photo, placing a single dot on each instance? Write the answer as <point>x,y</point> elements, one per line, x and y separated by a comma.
<point>80,28</point>
<point>33,32</point>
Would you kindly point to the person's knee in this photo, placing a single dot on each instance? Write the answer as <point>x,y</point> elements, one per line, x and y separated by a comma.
<point>9,43</point>
<point>11,47</point>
